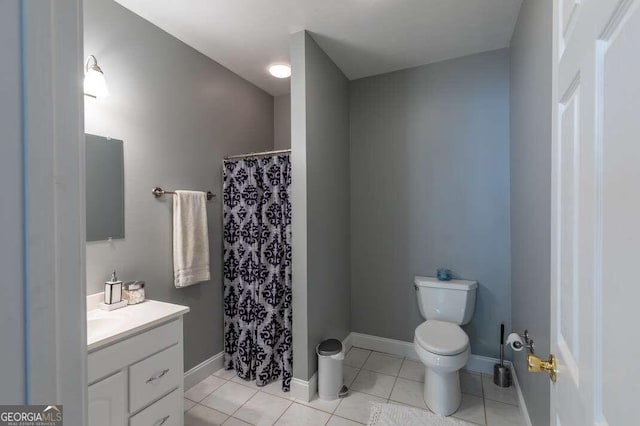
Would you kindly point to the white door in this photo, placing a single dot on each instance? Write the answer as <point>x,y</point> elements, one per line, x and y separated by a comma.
<point>107,401</point>
<point>596,213</point>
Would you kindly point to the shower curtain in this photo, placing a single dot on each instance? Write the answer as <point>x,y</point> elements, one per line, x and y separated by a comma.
<point>257,269</point>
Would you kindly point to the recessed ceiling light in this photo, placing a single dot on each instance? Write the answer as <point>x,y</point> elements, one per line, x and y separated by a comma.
<point>280,71</point>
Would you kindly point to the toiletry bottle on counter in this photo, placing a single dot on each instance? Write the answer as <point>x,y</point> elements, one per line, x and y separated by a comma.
<point>113,290</point>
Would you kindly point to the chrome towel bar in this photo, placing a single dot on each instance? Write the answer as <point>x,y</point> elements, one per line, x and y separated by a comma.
<point>159,192</point>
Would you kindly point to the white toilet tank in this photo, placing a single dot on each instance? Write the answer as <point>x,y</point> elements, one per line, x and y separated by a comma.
<point>452,301</point>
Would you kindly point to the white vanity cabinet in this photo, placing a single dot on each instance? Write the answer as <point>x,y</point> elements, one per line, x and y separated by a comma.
<point>107,401</point>
<point>136,378</point>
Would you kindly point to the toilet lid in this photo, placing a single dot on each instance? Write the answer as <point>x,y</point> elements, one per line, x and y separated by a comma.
<point>441,338</point>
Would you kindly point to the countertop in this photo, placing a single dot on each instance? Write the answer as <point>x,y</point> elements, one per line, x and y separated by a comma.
<point>106,327</point>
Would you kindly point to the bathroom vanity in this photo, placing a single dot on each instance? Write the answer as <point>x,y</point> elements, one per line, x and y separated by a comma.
<point>135,364</point>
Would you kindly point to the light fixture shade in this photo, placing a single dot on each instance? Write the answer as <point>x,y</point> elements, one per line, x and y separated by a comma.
<point>94,82</point>
<point>280,70</point>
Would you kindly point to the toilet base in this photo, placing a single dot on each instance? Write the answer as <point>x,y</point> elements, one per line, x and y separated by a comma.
<point>442,392</point>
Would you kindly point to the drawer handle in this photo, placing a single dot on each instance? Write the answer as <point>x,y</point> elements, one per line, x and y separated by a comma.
<point>162,421</point>
<point>158,376</point>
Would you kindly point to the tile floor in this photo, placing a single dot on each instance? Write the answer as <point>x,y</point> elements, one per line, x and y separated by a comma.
<point>225,399</point>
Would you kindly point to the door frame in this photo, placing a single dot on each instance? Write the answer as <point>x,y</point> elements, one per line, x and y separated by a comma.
<point>555,61</point>
<point>54,206</point>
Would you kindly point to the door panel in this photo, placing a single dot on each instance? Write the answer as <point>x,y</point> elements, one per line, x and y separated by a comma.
<point>620,104</point>
<point>595,212</point>
<point>567,17</point>
<point>568,291</point>
<point>568,13</point>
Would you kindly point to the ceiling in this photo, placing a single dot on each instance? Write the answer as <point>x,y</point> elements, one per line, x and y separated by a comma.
<point>363,37</point>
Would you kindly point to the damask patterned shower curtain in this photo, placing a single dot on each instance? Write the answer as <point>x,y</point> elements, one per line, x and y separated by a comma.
<point>257,269</point>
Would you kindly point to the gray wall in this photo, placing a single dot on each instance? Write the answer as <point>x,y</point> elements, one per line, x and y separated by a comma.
<point>299,205</point>
<point>178,113</point>
<point>430,188</point>
<point>531,115</point>
<point>282,122</point>
<point>320,143</point>
<point>12,327</point>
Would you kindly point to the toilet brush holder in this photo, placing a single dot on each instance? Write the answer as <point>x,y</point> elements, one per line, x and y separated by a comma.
<point>501,376</point>
<point>501,373</point>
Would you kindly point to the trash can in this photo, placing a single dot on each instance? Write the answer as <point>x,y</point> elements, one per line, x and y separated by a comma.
<point>330,382</point>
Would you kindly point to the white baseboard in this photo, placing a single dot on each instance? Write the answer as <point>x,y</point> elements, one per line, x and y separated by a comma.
<point>203,370</point>
<point>522,403</point>
<point>303,389</point>
<point>483,364</point>
<point>347,343</point>
<point>382,344</point>
<point>477,363</point>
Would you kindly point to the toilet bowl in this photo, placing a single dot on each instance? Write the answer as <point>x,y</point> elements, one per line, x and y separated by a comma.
<point>444,349</point>
<point>441,345</point>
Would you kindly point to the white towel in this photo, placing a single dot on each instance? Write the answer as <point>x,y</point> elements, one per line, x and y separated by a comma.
<point>190,238</point>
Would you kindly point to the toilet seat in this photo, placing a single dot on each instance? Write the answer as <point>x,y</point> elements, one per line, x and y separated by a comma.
<point>441,338</point>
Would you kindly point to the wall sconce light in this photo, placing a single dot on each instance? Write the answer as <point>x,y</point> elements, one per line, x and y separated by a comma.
<point>94,84</point>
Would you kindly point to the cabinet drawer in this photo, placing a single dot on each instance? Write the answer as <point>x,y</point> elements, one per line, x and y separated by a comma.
<point>117,356</point>
<point>166,412</point>
<point>153,377</point>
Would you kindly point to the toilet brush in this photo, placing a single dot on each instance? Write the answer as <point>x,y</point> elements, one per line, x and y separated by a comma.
<point>501,373</point>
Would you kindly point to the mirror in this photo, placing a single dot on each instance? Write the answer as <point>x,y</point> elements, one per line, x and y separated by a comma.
<point>105,188</point>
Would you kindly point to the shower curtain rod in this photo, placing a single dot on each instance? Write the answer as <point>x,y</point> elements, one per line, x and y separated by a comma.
<point>257,154</point>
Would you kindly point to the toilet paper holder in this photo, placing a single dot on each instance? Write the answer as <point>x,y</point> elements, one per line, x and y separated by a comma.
<point>528,341</point>
<point>520,341</point>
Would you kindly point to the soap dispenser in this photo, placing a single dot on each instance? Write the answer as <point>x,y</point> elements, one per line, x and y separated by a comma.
<point>113,294</point>
<point>112,290</point>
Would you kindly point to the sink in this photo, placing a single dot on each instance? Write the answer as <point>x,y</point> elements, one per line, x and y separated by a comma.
<point>101,324</point>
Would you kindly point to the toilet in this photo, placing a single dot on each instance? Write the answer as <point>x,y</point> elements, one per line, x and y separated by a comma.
<point>442,346</point>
